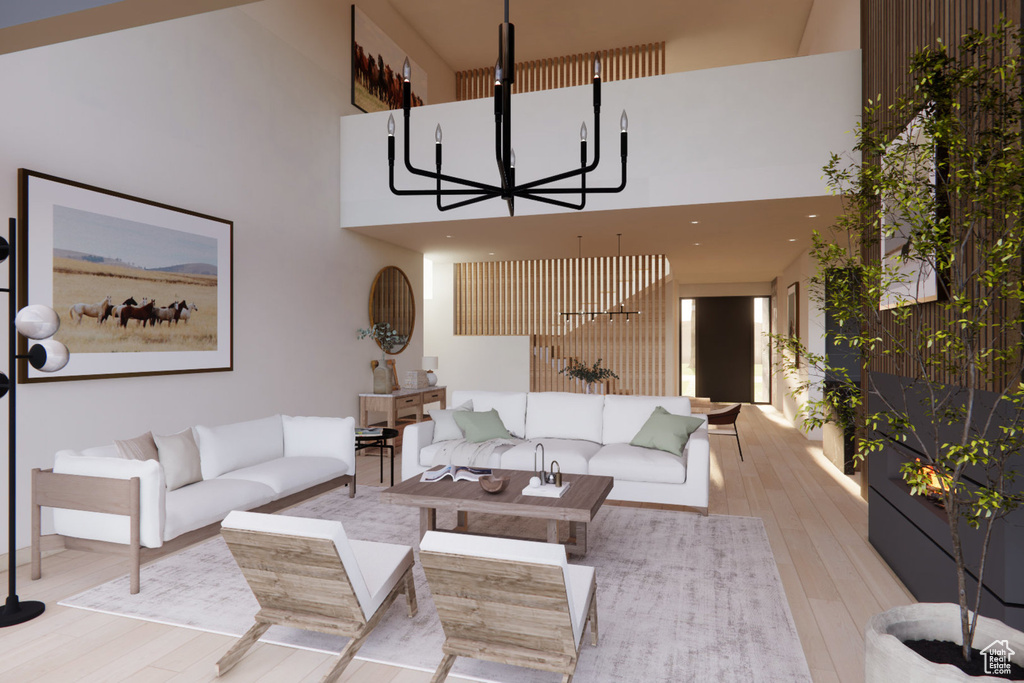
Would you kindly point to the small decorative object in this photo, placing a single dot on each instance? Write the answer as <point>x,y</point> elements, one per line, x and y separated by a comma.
<point>381,380</point>
<point>534,482</point>
<point>430,364</point>
<point>548,491</point>
<point>590,375</point>
<point>415,379</point>
<point>493,484</point>
<point>555,476</point>
<point>542,476</point>
<point>383,334</point>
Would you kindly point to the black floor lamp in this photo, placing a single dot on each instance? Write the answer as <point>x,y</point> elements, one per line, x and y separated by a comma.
<point>34,322</point>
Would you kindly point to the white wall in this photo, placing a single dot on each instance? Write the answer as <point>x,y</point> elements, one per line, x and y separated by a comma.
<point>754,131</point>
<point>812,332</point>
<point>490,363</point>
<point>215,113</point>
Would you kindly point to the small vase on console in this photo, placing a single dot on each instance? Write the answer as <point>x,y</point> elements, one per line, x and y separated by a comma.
<point>381,378</point>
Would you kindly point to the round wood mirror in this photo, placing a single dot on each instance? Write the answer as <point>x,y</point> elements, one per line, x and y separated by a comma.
<point>392,301</point>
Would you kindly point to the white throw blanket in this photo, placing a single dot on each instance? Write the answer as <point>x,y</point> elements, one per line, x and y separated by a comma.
<point>483,454</point>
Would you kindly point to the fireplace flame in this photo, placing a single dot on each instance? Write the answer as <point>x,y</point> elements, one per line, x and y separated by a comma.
<point>933,485</point>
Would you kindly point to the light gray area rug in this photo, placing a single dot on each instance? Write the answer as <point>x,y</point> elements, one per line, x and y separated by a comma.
<point>680,597</point>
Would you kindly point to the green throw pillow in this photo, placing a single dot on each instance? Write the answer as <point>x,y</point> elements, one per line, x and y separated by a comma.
<point>481,426</point>
<point>666,432</point>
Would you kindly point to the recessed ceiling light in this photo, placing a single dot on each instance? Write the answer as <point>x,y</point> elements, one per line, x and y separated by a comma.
<point>696,244</point>
<point>490,253</point>
<point>694,222</point>
<point>812,215</point>
<point>792,239</point>
<point>448,236</point>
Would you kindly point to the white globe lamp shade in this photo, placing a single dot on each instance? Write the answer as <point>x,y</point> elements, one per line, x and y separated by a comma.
<point>56,355</point>
<point>37,322</point>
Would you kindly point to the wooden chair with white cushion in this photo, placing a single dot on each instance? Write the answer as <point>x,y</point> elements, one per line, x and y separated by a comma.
<point>509,601</point>
<point>307,574</point>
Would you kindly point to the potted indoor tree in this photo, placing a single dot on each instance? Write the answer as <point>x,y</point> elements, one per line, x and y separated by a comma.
<point>588,374</point>
<point>923,275</point>
<point>388,339</point>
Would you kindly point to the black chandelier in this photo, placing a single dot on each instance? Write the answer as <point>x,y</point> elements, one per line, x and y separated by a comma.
<point>505,156</point>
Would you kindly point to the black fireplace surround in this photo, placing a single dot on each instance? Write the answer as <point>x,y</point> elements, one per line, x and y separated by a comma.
<point>912,534</point>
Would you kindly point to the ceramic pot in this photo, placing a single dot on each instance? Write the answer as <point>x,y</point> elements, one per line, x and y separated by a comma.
<point>381,379</point>
<point>887,659</point>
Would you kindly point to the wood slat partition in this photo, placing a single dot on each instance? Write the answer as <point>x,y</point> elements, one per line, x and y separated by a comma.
<point>528,298</point>
<point>890,34</point>
<point>636,61</point>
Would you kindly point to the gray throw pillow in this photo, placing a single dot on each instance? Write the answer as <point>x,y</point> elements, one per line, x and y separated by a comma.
<point>140,448</point>
<point>179,457</point>
<point>666,432</point>
<point>445,428</point>
<point>481,426</point>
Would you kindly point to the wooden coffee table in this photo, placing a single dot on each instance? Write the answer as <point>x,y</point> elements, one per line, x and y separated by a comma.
<point>577,506</point>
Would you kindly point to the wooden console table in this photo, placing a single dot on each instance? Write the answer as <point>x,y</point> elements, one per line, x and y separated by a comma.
<point>398,400</point>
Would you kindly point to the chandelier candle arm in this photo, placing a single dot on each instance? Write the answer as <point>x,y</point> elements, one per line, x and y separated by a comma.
<point>406,106</point>
<point>504,77</point>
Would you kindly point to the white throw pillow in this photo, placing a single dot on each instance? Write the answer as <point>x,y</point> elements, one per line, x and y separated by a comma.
<point>445,428</point>
<point>242,444</point>
<point>179,456</point>
<point>326,437</point>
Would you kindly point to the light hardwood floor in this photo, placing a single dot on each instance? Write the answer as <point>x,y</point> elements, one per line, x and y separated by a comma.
<point>815,518</point>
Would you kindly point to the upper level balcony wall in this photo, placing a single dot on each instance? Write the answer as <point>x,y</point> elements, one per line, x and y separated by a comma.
<point>738,133</point>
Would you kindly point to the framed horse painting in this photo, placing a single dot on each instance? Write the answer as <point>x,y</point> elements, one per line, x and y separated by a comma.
<point>141,288</point>
<point>377,68</point>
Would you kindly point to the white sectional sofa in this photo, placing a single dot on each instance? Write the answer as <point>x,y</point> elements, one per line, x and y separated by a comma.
<point>263,464</point>
<point>586,434</point>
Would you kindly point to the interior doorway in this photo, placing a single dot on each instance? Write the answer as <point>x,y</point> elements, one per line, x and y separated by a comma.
<point>724,349</point>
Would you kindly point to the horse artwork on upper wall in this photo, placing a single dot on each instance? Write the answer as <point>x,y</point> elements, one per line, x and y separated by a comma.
<point>377,68</point>
<point>87,244</point>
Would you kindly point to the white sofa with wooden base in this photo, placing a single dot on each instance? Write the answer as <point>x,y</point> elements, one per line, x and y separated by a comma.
<point>586,434</point>
<point>104,501</point>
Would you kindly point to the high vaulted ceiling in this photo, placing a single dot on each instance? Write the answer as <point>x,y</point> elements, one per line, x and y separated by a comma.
<point>739,242</point>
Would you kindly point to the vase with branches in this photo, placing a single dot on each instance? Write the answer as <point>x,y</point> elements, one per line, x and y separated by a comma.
<point>388,339</point>
<point>588,374</point>
<point>932,301</point>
